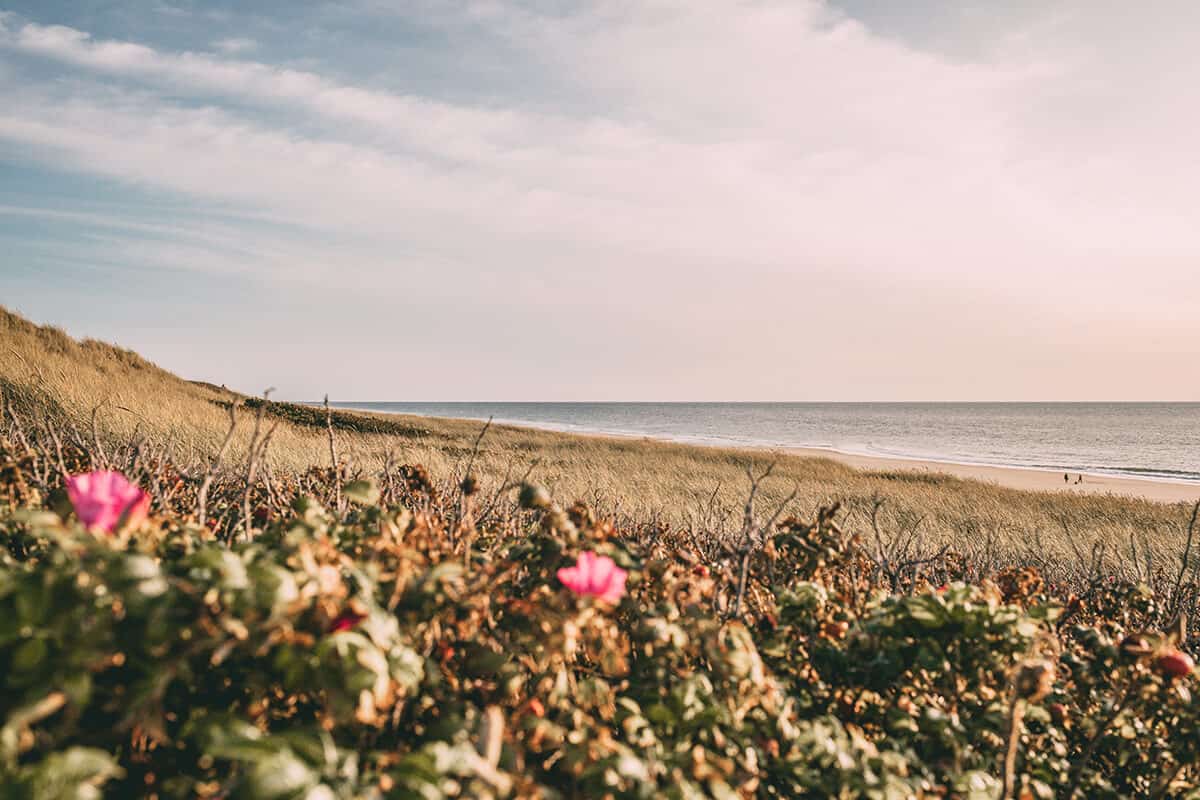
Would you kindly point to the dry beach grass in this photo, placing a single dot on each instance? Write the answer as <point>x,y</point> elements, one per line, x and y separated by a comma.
<point>45,373</point>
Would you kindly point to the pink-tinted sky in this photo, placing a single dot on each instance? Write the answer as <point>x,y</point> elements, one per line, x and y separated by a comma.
<point>653,199</point>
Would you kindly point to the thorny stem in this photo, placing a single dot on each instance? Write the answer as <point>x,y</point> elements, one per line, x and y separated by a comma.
<point>466,523</point>
<point>741,590</point>
<point>1016,713</point>
<point>202,495</point>
<point>333,457</point>
<point>1176,600</point>
<point>258,448</point>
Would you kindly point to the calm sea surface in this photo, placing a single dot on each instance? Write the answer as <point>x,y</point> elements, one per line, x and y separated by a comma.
<point>1148,440</point>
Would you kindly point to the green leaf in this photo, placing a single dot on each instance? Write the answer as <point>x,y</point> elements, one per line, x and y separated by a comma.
<point>29,655</point>
<point>74,774</point>
<point>281,776</point>
<point>364,493</point>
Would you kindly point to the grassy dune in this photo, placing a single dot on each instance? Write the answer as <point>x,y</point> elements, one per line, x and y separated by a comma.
<point>46,374</point>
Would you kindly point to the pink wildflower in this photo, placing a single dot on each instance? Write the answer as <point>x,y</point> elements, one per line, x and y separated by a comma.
<point>595,576</point>
<point>102,500</point>
<point>348,619</point>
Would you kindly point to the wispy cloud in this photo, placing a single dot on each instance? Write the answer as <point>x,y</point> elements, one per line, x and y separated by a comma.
<point>727,164</point>
<point>432,126</point>
<point>732,191</point>
<point>235,45</point>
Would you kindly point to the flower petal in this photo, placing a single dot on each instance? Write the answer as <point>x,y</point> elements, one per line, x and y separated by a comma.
<point>602,568</point>
<point>102,499</point>
<point>615,589</point>
<point>570,578</point>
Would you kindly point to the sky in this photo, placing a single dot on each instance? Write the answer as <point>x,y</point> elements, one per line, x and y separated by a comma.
<point>613,199</point>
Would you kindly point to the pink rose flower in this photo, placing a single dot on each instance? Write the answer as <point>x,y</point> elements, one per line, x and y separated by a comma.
<point>347,620</point>
<point>103,499</point>
<point>595,576</point>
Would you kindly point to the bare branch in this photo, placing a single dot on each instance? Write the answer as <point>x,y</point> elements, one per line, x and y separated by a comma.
<point>214,465</point>
<point>333,458</point>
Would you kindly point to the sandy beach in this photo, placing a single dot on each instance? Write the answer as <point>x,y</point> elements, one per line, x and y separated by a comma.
<point>1017,478</point>
<point>1025,479</point>
<point>1082,439</point>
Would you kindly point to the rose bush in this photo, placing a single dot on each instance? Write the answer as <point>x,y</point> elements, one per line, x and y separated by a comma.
<point>384,651</point>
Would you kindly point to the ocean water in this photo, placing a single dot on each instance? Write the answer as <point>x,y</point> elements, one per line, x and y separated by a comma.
<point>1145,440</point>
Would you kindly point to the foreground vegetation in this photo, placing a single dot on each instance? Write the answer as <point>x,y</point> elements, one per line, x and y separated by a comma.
<point>284,602</point>
<point>213,634</point>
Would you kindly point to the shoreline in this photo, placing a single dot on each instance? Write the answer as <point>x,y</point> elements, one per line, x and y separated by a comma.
<point>1029,479</point>
<point>1033,479</point>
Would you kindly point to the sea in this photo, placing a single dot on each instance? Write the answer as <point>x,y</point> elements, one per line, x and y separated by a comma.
<point>1159,441</point>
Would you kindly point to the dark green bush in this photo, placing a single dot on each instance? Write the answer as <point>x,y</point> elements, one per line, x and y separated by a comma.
<point>391,652</point>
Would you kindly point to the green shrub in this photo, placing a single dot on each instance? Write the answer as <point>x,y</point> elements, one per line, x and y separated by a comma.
<point>395,652</point>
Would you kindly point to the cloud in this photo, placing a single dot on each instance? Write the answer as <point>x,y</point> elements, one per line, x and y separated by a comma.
<point>733,145</point>
<point>757,120</point>
<point>435,128</point>
<point>235,45</point>
<point>748,164</point>
<point>200,243</point>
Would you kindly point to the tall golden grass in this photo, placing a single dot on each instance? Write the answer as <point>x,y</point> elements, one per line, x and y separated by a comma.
<point>46,373</point>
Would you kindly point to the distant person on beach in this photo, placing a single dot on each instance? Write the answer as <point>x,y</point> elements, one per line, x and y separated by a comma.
<point>1066,478</point>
